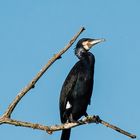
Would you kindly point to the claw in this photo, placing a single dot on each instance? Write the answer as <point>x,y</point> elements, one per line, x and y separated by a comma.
<point>88,119</point>
<point>96,119</point>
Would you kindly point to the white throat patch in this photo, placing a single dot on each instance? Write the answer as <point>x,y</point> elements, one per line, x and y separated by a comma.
<point>86,45</point>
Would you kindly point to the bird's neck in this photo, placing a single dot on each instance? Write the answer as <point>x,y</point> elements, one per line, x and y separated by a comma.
<point>89,60</point>
<point>80,53</point>
<point>87,56</point>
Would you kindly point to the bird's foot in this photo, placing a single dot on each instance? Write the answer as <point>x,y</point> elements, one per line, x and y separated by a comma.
<point>87,119</point>
<point>96,119</point>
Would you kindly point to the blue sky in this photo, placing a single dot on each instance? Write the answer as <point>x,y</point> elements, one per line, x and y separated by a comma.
<point>31,31</point>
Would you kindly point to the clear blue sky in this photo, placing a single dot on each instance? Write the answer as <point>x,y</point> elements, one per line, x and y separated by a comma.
<point>31,31</point>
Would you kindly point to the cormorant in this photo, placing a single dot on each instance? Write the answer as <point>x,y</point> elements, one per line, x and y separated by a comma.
<point>77,88</point>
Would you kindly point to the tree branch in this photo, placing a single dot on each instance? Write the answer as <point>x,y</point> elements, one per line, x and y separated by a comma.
<point>6,117</point>
<point>50,129</point>
<point>31,85</point>
<point>118,129</point>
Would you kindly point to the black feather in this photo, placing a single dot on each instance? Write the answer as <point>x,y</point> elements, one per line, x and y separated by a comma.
<point>77,88</point>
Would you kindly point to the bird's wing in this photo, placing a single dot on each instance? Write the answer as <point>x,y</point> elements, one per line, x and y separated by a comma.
<point>67,88</point>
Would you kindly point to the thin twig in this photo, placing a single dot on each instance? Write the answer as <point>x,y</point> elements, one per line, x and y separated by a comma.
<point>31,85</point>
<point>118,129</point>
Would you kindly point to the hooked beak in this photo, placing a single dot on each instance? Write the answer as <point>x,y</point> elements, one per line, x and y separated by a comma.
<point>95,41</point>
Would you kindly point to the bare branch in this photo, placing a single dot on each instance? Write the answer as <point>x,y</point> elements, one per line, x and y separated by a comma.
<point>50,129</point>
<point>5,119</point>
<point>118,129</point>
<point>31,85</point>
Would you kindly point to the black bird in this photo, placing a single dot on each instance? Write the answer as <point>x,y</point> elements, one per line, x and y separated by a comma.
<point>77,88</point>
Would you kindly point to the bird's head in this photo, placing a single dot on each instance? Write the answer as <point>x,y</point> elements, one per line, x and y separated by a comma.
<point>85,44</point>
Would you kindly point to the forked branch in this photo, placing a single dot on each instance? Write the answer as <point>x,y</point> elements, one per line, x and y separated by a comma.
<point>6,117</point>
<point>31,85</point>
<point>53,128</point>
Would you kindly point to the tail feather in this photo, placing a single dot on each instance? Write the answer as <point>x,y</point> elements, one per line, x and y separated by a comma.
<point>65,134</point>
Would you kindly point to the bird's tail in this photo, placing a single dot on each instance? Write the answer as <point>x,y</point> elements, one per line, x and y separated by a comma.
<point>65,134</point>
